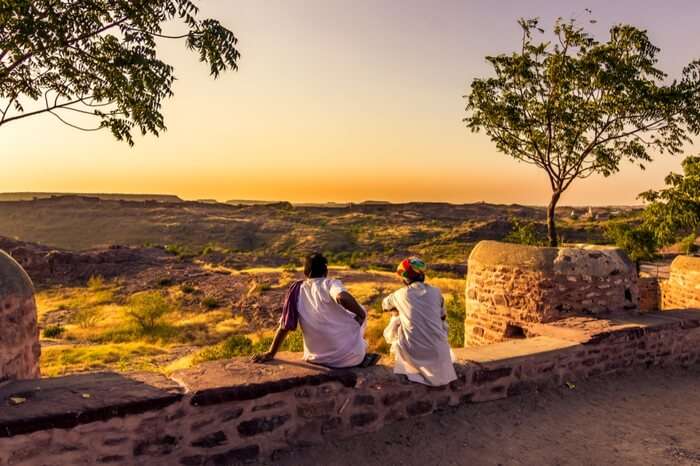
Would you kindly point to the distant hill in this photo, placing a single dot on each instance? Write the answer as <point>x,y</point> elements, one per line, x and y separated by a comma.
<point>29,196</point>
<point>250,202</point>
<point>277,233</point>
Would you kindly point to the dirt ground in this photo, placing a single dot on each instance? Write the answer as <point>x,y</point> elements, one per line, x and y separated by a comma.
<point>648,418</point>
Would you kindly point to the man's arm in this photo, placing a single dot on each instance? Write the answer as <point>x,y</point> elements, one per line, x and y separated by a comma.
<point>274,347</point>
<point>346,300</point>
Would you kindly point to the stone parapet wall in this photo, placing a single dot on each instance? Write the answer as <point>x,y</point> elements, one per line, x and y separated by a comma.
<point>682,289</point>
<point>510,286</point>
<point>220,413</point>
<point>19,334</point>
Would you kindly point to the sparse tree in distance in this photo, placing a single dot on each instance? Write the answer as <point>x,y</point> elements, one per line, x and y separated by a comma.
<point>674,212</point>
<point>575,106</point>
<point>98,59</point>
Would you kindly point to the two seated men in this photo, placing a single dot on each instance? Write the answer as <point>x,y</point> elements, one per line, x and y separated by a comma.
<point>333,324</point>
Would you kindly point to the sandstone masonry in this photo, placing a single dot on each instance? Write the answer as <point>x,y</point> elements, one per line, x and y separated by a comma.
<point>19,335</point>
<point>226,412</point>
<point>510,286</point>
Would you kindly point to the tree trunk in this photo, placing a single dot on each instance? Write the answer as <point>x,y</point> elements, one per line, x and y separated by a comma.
<point>551,225</point>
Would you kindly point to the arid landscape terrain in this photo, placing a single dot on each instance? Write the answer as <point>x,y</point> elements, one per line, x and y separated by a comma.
<point>143,284</point>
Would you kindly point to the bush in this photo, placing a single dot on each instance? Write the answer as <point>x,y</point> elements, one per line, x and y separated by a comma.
<point>210,302</point>
<point>293,342</point>
<point>165,282</point>
<point>638,242</point>
<point>187,289</point>
<point>235,345</point>
<point>53,331</point>
<point>96,283</point>
<point>85,317</point>
<point>687,244</point>
<point>525,233</point>
<point>147,309</point>
<point>455,308</point>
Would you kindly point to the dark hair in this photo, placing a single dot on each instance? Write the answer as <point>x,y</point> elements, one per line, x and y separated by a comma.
<point>315,265</point>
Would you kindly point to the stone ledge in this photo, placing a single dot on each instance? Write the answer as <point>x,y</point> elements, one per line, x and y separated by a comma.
<point>64,402</point>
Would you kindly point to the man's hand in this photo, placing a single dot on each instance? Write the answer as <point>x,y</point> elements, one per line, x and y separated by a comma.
<point>262,358</point>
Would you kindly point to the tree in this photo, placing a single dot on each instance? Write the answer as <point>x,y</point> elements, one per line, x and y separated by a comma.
<point>637,241</point>
<point>98,59</point>
<point>575,106</point>
<point>674,212</point>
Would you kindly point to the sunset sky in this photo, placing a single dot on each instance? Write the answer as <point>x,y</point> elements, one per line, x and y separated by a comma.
<point>341,101</point>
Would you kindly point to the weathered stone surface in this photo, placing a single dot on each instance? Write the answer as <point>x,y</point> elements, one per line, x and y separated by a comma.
<point>19,334</point>
<point>419,407</point>
<point>682,289</point>
<point>238,380</point>
<point>316,409</point>
<point>210,441</point>
<point>260,425</point>
<point>510,287</point>
<point>363,419</point>
<point>65,402</point>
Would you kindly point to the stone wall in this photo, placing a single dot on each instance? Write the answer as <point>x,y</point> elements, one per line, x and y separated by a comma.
<point>682,289</point>
<point>220,413</point>
<point>19,335</point>
<point>510,286</point>
<point>649,294</point>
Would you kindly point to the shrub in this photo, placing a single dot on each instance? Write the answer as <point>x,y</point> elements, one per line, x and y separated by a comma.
<point>235,345</point>
<point>525,233</point>
<point>85,317</point>
<point>187,289</point>
<point>638,242</point>
<point>293,342</point>
<point>147,309</point>
<point>53,331</point>
<point>165,282</point>
<point>455,308</point>
<point>210,302</point>
<point>96,283</point>
<point>687,244</point>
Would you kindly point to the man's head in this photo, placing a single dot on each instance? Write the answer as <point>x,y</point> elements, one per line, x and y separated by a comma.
<point>315,266</point>
<point>411,270</point>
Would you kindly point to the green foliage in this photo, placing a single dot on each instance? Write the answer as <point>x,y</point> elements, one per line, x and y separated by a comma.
<point>575,106</point>
<point>99,59</point>
<point>147,309</point>
<point>637,241</point>
<point>525,233</point>
<point>293,342</point>
<point>179,250</point>
<point>53,331</point>
<point>674,212</point>
<point>456,310</point>
<point>210,302</point>
<point>187,288</point>
<point>688,245</point>
<point>85,317</point>
<point>233,346</point>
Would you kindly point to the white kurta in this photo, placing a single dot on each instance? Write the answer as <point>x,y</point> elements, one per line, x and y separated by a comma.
<point>332,336</point>
<point>418,336</point>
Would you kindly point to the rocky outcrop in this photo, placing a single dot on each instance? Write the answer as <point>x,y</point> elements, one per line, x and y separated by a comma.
<point>19,335</point>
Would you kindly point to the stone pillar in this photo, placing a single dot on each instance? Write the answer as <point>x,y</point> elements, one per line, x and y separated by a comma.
<point>19,334</point>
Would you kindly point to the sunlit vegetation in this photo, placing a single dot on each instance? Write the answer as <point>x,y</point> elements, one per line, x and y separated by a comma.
<point>102,327</point>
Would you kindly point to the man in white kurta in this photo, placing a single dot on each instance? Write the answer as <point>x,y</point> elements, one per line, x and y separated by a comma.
<point>418,337</point>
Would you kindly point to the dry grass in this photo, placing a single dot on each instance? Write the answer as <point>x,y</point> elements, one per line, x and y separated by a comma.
<point>109,338</point>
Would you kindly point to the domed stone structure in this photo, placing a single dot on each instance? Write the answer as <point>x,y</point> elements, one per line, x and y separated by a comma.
<point>510,286</point>
<point>19,335</point>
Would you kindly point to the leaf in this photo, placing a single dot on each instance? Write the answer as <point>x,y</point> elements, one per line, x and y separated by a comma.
<point>17,400</point>
<point>86,396</point>
<point>570,385</point>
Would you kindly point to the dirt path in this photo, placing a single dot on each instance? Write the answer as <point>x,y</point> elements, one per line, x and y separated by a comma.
<point>649,418</point>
